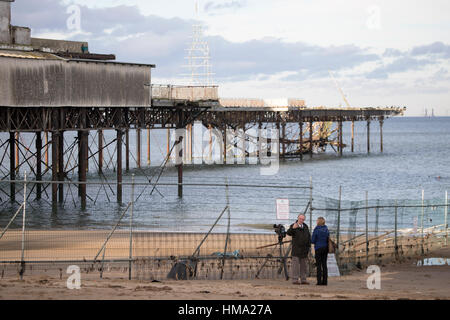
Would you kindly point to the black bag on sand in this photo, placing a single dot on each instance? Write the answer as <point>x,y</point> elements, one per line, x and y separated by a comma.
<point>182,270</point>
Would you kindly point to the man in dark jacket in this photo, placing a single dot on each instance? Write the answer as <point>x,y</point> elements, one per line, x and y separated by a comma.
<point>301,246</point>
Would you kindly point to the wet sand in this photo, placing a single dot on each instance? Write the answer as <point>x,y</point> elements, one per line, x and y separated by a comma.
<point>398,281</point>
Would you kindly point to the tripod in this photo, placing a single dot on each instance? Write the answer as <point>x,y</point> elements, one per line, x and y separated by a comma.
<point>283,257</point>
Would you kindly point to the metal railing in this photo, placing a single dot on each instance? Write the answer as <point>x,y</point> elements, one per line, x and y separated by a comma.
<point>191,93</point>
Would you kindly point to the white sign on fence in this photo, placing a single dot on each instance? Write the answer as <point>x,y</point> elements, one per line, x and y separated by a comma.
<point>283,209</point>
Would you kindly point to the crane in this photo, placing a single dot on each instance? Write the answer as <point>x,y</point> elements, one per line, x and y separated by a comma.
<point>339,88</point>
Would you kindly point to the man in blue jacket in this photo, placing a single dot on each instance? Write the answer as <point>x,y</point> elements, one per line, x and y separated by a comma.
<point>320,240</point>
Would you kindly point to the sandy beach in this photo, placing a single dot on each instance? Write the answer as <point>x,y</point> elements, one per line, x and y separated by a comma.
<point>398,281</point>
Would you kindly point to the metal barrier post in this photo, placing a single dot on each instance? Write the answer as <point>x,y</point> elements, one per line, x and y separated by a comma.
<point>310,202</point>
<point>395,239</point>
<point>445,217</point>
<point>338,224</point>
<point>421,222</point>
<point>367,227</point>
<point>131,227</point>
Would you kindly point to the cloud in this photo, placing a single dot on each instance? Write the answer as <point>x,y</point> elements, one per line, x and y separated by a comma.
<point>437,48</point>
<point>213,7</point>
<point>134,37</point>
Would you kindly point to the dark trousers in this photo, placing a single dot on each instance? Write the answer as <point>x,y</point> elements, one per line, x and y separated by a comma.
<point>321,264</point>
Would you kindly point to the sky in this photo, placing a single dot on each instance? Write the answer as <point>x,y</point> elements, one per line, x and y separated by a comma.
<point>381,53</point>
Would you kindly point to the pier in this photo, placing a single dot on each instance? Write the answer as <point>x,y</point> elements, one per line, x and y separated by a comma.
<point>50,87</point>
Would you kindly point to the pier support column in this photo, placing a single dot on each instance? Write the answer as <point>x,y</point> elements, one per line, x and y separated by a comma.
<point>38,164</point>
<point>368,136</point>
<point>168,142</point>
<point>148,146</point>
<point>17,152</point>
<point>300,126</point>
<point>224,138</point>
<point>311,138</point>
<point>283,133</point>
<point>61,165</point>
<point>353,134</point>
<point>179,157</point>
<point>180,132</point>
<point>82,166</point>
<point>119,165</point>
<point>100,151</point>
<point>83,138</point>
<point>259,142</point>
<point>127,150</point>
<point>138,148</point>
<point>340,138</point>
<point>381,135</point>
<point>12,165</point>
<point>55,143</point>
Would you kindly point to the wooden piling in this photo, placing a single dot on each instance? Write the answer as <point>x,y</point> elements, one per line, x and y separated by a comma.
<point>368,136</point>
<point>38,164</point>
<point>119,165</point>
<point>12,165</point>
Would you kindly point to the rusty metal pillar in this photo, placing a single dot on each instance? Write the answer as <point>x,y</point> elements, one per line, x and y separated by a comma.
<point>100,151</point>
<point>61,165</point>
<point>311,138</point>
<point>138,148</point>
<point>127,150</point>
<point>119,165</point>
<point>38,164</point>
<point>381,135</point>
<point>353,134</point>
<point>368,136</point>
<point>12,165</point>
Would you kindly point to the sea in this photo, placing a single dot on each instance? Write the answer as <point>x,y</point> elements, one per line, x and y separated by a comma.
<point>413,167</point>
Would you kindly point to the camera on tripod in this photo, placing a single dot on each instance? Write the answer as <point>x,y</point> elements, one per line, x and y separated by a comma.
<point>280,230</point>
